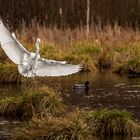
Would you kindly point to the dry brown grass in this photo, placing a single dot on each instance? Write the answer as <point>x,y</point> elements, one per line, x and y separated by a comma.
<point>107,47</point>
<point>35,102</point>
<point>80,125</point>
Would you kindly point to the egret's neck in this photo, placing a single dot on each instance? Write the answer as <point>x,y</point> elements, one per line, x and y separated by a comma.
<point>37,49</point>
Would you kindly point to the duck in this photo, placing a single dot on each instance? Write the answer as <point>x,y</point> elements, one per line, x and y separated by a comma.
<point>81,86</point>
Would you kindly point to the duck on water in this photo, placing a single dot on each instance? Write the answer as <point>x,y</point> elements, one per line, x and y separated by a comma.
<point>82,87</point>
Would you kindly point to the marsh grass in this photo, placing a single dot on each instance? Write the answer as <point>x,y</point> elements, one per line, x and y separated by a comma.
<point>113,122</point>
<point>86,47</point>
<point>50,51</point>
<point>38,102</point>
<point>69,127</point>
<point>80,125</point>
<point>107,47</point>
<point>46,101</point>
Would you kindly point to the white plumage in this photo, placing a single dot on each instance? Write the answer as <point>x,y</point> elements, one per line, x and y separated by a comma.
<point>30,64</point>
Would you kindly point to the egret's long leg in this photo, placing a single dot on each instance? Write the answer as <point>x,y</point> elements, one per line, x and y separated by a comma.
<point>34,71</point>
<point>27,77</point>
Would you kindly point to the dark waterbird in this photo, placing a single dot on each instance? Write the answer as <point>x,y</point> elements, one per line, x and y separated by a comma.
<point>82,87</point>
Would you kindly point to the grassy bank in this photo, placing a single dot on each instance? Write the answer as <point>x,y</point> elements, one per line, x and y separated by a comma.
<point>108,48</point>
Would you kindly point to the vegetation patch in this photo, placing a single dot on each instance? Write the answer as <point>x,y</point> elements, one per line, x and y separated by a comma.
<point>80,125</point>
<point>50,51</point>
<point>106,60</point>
<point>69,127</point>
<point>133,66</point>
<point>87,47</point>
<point>87,62</point>
<point>112,122</point>
<point>41,102</point>
<point>9,74</point>
<point>105,48</point>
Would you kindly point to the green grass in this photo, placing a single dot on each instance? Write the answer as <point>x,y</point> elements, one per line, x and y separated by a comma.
<point>87,47</point>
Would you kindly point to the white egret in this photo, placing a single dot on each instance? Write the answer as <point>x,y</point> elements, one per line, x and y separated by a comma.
<point>30,64</point>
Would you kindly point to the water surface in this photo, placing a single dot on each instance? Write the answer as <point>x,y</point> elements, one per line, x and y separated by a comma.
<point>107,90</point>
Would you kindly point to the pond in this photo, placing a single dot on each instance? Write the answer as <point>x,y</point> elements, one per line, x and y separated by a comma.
<point>106,90</point>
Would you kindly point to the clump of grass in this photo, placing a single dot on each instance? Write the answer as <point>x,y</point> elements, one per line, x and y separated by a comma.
<point>106,61</point>
<point>112,122</point>
<point>9,74</point>
<point>46,101</point>
<point>85,53</point>
<point>87,62</point>
<point>40,103</point>
<point>68,128</point>
<point>133,65</point>
<point>80,125</point>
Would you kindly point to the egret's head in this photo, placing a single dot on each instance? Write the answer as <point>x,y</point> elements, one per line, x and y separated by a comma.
<point>38,41</point>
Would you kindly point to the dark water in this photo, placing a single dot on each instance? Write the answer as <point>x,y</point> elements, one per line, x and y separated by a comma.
<point>107,90</point>
<point>6,127</point>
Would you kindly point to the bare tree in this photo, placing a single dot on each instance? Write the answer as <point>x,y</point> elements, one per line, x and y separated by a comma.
<point>87,18</point>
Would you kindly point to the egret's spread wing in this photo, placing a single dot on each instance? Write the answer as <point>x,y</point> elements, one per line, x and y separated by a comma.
<point>52,61</point>
<point>14,50</point>
<point>46,68</point>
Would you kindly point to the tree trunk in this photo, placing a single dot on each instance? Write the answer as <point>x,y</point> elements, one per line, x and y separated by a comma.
<point>87,20</point>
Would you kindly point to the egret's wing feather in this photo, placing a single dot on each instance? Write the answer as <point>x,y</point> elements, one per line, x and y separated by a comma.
<point>48,68</point>
<point>14,50</point>
<point>52,61</point>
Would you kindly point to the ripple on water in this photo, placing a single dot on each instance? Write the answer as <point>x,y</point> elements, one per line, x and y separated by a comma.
<point>133,91</point>
<point>120,84</point>
<point>6,128</point>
